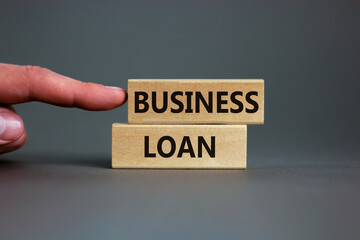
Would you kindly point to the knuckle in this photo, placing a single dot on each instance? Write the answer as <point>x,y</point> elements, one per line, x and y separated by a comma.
<point>36,72</point>
<point>31,68</point>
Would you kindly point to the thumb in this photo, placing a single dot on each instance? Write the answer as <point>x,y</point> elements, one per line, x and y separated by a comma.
<point>12,131</point>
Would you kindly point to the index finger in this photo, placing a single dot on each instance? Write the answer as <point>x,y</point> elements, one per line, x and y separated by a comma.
<point>20,84</point>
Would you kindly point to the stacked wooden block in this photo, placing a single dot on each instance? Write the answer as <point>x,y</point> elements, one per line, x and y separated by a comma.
<point>187,123</point>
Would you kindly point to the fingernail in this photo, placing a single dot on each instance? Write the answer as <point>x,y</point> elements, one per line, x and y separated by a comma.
<point>11,127</point>
<point>115,88</point>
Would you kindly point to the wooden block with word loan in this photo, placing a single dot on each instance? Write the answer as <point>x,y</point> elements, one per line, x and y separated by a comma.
<point>179,146</point>
<point>196,101</point>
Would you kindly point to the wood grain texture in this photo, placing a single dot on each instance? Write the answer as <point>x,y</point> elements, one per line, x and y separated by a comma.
<point>228,151</point>
<point>234,109</point>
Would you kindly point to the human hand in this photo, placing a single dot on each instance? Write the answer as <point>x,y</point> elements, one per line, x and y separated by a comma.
<point>19,84</point>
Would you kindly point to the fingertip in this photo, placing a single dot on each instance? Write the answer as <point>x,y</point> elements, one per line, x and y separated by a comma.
<point>96,97</point>
<point>121,95</point>
<point>11,127</point>
<point>14,144</point>
<point>116,97</point>
<point>12,131</point>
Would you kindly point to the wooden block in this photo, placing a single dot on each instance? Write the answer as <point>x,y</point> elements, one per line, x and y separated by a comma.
<point>196,101</point>
<point>179,146</point>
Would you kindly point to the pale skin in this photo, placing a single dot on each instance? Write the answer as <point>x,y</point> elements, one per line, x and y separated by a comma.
<point>19,84</point>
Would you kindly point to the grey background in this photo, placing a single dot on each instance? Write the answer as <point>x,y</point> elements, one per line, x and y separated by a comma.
<point>303,180</point>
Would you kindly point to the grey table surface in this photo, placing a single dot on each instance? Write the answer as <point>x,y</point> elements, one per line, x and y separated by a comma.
<point>81,197</point>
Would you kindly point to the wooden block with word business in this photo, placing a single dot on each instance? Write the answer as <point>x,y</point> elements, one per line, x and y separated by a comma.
<point>179,146</point>
<point>196,101</point>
